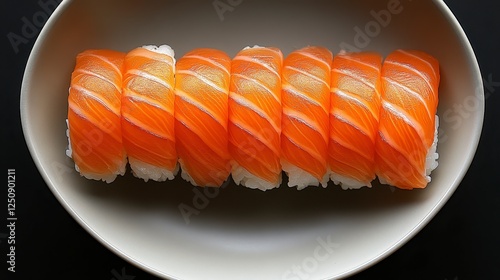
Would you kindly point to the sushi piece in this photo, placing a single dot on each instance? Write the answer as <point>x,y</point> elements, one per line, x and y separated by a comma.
<point>354,117</point>
<point>94,110</point>
<point>305,121</point>
<point>201,116</point>
<point>255,117</point>
<point>147,117</point>
<point>407,137</point>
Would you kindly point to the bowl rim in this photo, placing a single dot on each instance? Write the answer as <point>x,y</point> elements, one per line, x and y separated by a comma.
<point>25,123</point>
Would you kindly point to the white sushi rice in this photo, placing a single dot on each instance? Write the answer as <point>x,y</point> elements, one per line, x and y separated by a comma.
<point>300,178</point>
<point>431,160</point>
<point>347,183</point>
<point>147,171</point>
<point>185,174</point>
<point>254,47</point>
<point>108,178</point>
<point>162,49</point>
<point>69,150</point>
<point>243,177</point>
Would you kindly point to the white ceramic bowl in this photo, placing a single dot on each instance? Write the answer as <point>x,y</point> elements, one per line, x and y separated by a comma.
<point>238,233</point>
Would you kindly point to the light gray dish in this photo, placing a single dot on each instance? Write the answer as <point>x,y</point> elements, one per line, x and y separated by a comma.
<point>238,233</point>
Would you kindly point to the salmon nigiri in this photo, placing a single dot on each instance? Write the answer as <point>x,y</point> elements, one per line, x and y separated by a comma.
<point>255,117</point>
<point>201,116</point>
<point>354,116</point>
<point>407,137</point>
<point>94,102</point>
<point>306,104</point>
<point>148,112</point>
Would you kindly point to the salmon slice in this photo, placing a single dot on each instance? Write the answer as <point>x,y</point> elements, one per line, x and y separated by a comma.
<point>255,117</point>
<point>201,116</point>
<point>407,138</point>
<point>305,121</point>
<point>354,117</point>
<point>94,102</point>
<point>148,112</point>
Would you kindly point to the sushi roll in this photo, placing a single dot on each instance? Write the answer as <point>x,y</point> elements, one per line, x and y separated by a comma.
<point>255,117</point>
<point>147,112</point>
<point>201,116</point>
<point>94,110</point>
<point>305,120</point>
<point>348,118</point>
<point>354,118</point>
<point>407,135</point>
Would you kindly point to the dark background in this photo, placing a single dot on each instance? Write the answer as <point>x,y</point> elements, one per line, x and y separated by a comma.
<point>461,242</point>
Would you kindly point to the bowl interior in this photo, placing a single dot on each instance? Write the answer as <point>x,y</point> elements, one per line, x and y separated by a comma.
<point>168,228</point>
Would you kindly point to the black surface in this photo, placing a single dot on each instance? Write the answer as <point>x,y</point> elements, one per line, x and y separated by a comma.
<point>461,242</point>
